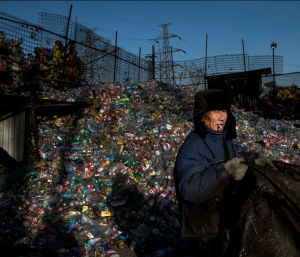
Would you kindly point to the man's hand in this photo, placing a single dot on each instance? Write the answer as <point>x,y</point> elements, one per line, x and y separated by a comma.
<point>264,162</point>
<point>236,168</point>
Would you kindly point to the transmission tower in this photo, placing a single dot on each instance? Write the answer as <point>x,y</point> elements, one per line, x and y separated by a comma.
<point>166,69</point>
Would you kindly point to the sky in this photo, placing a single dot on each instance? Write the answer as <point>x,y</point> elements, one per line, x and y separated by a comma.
<point>226,23</point>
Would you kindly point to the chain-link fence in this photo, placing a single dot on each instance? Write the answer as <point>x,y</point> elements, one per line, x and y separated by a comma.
<point>102,64</point>
<point>20,29</point>
<point>192,72</point>
<point>282,80</point>
<point>106,62</point>
<point>97,62</point>
<point>103,61</point>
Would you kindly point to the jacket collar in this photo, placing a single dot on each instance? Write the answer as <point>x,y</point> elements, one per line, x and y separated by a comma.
<point>214,132</point>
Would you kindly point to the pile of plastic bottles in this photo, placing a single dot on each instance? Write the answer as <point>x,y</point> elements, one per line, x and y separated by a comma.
<point>104,183</point>
<point>106,178</point>
<point>270,138</point>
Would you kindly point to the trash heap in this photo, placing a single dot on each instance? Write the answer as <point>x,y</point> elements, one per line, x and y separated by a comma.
<point>11,64</point>
<point>60,67</point>
<point>106,180</point>
<point>270,138</point>
<point>281,103</point>
<point>104,185</point>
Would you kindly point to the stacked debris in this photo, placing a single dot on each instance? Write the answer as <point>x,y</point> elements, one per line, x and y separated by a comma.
<point>281,103</point>
<point>11,64</point>
<point>60,67</point>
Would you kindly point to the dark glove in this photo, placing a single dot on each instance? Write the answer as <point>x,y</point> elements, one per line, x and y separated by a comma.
<point>236,168</point>
<point>264,162</point>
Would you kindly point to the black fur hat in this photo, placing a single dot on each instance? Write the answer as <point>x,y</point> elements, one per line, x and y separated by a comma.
<point>213,99</point>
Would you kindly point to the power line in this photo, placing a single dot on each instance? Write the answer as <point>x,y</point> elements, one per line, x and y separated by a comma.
<point>88,24</point>
<point>291,64</point>
<point>133,38</point>
<point>191,46</point>
<point>183,57</point>
<point>113,32</point>
<point>126,19</point>
<point>26,3</point>
<point>121,35</point>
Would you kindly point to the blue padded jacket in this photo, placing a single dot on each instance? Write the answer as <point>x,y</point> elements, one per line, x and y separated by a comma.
<point>200,178</point>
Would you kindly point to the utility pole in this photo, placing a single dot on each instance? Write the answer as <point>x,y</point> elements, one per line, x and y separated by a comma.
<point>273,46</point>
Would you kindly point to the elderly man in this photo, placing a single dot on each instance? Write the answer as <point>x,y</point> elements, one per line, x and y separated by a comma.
<point>205,164</point>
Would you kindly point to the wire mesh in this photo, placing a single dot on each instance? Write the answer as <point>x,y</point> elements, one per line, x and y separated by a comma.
<point>283,80</point>
<point>29,34</point>
<point>192,72</point>
<point>98,53</point>
<point>265,61</point>
<point>100,64</point>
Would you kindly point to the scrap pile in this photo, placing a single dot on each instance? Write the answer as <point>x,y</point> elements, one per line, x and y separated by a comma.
<point>60,66</point>
<point>281,103</point>
<point>104,183</point>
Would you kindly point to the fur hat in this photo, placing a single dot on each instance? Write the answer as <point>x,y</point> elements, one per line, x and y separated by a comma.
<point>209,100</point>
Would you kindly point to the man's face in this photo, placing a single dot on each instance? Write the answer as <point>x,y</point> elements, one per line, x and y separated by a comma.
<point>215,120</point>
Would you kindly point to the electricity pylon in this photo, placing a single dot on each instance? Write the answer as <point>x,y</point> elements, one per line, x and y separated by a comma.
<point>165,53</point>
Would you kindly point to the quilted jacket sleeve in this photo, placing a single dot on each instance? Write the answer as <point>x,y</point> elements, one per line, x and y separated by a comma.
<point>197,179</point>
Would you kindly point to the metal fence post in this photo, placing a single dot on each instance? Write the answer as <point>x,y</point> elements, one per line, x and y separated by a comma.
<point>115,63</point>
<point>173,74</point>
<point>205,68</point>
<point>139,75</point>
<point>244,55</point>
<point>153,62</point>
<point>68,24</point>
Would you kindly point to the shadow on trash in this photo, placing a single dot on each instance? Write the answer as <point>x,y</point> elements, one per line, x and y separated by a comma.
<point>54,241</point>
<point>150,227</point>
<point>29,236</point>
<point>11,229</point>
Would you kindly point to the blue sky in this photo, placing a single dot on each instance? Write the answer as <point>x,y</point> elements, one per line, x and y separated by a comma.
<point>259,23</point>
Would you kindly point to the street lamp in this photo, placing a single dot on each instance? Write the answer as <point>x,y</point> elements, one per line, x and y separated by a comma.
<point>273,46</point>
